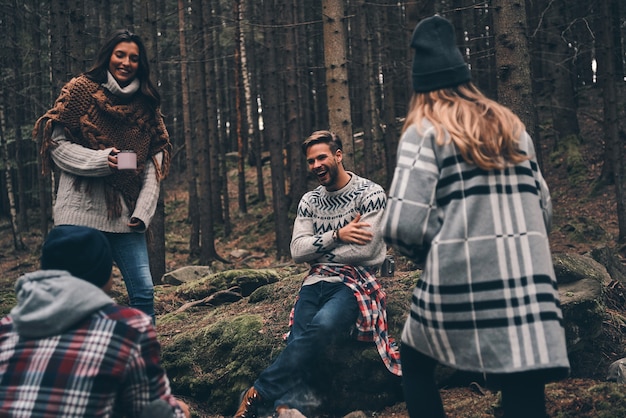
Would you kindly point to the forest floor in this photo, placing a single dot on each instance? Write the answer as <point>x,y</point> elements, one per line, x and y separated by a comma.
<point>576,208</point>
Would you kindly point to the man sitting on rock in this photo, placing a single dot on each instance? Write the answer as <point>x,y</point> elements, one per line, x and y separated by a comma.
<point>67,350</point>
<point>336,232</point>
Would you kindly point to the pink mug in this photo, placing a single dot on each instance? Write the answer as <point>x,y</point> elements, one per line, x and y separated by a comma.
<point>126,160</point>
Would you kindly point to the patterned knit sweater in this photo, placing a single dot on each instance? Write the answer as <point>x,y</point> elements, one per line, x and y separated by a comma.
<point>487,299</point>
<point>320,212</point>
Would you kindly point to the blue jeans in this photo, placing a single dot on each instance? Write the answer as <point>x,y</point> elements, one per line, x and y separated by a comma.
<point>324,313</point>
<point>130,253</point>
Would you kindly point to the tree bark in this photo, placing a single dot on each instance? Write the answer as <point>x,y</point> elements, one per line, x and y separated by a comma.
<point>201,130</point>
<point>513,61</point>
<point>253,136</point>
<point>18,243</point>
<point>294,133</point>
<point>360,70</point>
<point>390,134</point>
<point>194,236</point>
<point>241,148</point>
<point>561,92</point>
<point>336,63</point>
<point>220,199</point>
<point>272,115</point>
<point>606,79</point>
<point>156,234</point>
<point>16,115</point>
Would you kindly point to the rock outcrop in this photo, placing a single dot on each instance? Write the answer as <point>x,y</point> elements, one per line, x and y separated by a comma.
<point>217,351</point>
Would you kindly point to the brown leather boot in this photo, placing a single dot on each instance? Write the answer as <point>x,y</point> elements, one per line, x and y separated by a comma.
<point>249,404</point>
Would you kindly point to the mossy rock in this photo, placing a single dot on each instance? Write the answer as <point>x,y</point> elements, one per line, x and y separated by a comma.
<point>570,268</point>
<point>246,280</point>
<point>217,362</point>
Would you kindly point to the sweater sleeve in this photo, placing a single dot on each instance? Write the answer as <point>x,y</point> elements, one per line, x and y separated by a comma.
<point>542,186</point>
<point>310,244</point>
<point>372,209</point>
<point>411,219</point>
<point>149,194</point>
<point>76,159</point>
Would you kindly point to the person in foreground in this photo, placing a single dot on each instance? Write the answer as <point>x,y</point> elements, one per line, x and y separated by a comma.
<point>469,203</point>
<point>112,107</point>
<point>336,232</point>
<point>68,350</point>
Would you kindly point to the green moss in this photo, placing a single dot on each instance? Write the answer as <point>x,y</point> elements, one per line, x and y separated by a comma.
<point>568,152</point>
<point>605,400</point>
<point>247,280</point>
<point>263,293</point>
<point>584,230</point>
<point>173,317</point>
<point>217,362</point>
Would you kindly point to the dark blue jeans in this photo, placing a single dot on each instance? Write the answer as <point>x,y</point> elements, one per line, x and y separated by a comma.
<point>130,253</point>
<point>324,313</point>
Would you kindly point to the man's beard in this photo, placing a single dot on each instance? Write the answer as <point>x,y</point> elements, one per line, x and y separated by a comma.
<point>331,176</point>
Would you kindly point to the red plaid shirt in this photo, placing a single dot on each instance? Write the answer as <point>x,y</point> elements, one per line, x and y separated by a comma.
<point>108,365</point>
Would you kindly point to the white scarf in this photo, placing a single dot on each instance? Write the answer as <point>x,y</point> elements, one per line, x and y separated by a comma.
<point>113,86</point>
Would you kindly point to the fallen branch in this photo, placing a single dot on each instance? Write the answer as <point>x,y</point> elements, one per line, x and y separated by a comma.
<point>222,296</point>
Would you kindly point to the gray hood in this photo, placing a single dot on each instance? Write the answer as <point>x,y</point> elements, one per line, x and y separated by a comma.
<point>51,301</point>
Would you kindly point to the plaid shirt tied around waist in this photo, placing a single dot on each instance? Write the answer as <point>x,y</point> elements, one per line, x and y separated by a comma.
<point>371,325</point>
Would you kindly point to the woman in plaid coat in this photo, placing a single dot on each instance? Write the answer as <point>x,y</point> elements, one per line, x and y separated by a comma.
<point>469,203</point>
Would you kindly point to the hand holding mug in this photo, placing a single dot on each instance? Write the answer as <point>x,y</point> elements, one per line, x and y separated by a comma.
<point>122,160</point>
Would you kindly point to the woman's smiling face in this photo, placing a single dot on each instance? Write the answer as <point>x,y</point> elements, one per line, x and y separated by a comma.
<point>124,62</point>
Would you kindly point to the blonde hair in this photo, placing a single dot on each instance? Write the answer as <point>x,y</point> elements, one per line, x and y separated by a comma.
<point>485,132</point>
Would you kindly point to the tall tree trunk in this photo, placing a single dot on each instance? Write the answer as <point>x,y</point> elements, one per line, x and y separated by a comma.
<point>194,238</point>
<point>156,235</point>
<point>218,171</point>
<point>241,149</point>
<point>562,94</point>
<point>41,95</point>
<point>336,63</point>
<point>399,56</point>
<point>253,137</point>
<point>77,37</point>
<point>607,80</point>
<point>513,61</point>
<point>480,42</point>
<point>16,113</point>
<point>18,243</point>
<point>59,34</point>
<point>360,77</point>
<point>222,70</point>
<point>390,134</point>
<point>128,16</point>
<point>293,128</point>
<point>272,114</point>
<point>583,39</point>
<point>201,130</point>
<point>104,18</point>
<point>372,121</point>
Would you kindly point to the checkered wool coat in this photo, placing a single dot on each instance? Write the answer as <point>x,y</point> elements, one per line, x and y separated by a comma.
<point>487,299</point>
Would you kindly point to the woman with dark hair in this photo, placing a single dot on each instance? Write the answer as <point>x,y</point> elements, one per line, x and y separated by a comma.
<point>468,202</point>
<point>98,71</point>
<point>99,116</point>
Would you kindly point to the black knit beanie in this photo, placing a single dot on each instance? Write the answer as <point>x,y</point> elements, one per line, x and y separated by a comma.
<point>437,62</point>
<point>84,252</point>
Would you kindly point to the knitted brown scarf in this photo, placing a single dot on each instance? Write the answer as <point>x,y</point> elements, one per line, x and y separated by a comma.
<point>95,118</point>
